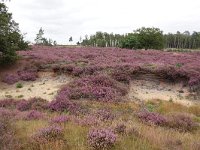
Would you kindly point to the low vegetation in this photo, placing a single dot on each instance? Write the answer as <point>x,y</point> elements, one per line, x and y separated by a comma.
<point>98,126</point>
<point>93,110</point>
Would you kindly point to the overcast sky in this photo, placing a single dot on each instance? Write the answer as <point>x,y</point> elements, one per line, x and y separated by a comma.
<point>64,18</point>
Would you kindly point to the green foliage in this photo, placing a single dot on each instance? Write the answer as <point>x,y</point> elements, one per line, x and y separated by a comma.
<point>150,38</point>
<point>147,38</point>
<point>101,43</point>
<point>130,41</point>
<point>19,85</point>
<point>10,37</point>
<point>101,39</point>
<point>179,65</point>
<point>183,40</point>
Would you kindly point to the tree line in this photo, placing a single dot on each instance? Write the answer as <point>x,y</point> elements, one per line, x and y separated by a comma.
<point>144,38</point>
<point>184,40</point>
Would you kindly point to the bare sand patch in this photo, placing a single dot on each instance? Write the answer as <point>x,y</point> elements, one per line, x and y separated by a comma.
<point>46,87</point>
<point>149,90</point>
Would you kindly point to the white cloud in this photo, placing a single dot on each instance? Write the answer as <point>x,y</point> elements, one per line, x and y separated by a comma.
<point>64,18</point>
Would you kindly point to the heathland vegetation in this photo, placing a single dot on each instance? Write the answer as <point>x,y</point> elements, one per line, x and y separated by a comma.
<point>93,109</point>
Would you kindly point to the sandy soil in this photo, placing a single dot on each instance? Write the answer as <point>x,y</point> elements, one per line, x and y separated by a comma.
<point>45,87</point>
<point>48,84</point>
<point>149,90</point>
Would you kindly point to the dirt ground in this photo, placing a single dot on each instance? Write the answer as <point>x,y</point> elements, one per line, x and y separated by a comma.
<point>45,87</point>
<point>149,90</point>
<point>48,84</point>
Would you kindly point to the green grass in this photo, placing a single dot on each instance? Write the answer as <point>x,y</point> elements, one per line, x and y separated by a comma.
<point>19,85</point>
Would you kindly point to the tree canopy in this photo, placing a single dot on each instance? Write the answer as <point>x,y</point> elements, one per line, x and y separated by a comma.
<point>144,38</point>
<point>147,38</point>
<point>11,39</point>
<point>41,40</point>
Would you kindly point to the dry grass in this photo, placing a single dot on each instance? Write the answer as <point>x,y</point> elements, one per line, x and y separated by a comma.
<point>137,136</point>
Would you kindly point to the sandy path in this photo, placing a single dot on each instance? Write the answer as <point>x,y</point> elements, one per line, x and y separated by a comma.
<point>149,90</point>
<point>45,87</point>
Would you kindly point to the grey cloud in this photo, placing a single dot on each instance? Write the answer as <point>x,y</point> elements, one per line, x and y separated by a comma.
<point>63,18</point>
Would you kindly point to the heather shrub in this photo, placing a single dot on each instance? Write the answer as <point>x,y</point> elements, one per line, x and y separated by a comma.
<point>10,78</point>
<point>98,87</point>
<point>127,62</point>
<point>121,76</point>
<point>181,122</point>
<point>27,75</point>
<point>34,103</point>
<point>61,105</point>
<point>106,94</point>
<point>8,140</point>
<point>152,118</point>
<point>23,105</point>
<point>8,113</point>
<point>24,75</point>
<point>120,128</point>
<point>49,134</point>
<point>34,115</point>
<point>77,71</point>
<point>83,71</point>
<point>38,103</point>
<point>68,68</point>
<point>8,103</point>
<point>101,138</point>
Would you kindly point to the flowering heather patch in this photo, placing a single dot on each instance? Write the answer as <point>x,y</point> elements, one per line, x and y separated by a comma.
<point>99,87</point>
<point>164,63</point>
<point>181,122</point>
<point>8,103</point>
<point>8,140</point>
<point>49,134</point>
<point>89,70</point>
<point>60,119</point>
<point>120,128</point>
<point>38,103</point>
<point>101,138</point>
<point>34,103</point>
<point>34,115</point>
<point>26,75</point>
<point>7,113</point>
<point>67,68</point>
<point>63,106</point>
<point>23,105</point>
<point>152,117</point>
<point>10,78</point>
<point>121,76</point>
